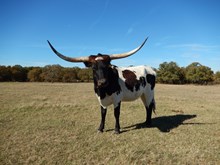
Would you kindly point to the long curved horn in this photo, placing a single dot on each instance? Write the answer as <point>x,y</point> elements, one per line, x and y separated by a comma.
<point>123,55</point>
<point>70,59</point>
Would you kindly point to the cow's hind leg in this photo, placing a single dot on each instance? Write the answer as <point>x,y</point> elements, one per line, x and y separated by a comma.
<point>117,115</point>
<point>103,115</point>
<point>149,104</point>
<point>149,110</point>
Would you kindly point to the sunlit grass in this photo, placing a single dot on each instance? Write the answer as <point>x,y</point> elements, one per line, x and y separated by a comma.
<point>44,123</point>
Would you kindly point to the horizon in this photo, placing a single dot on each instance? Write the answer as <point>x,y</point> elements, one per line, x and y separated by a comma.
<point>84,67</point>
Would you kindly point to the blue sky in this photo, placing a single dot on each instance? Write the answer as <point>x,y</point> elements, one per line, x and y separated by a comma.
<point>183,31</point>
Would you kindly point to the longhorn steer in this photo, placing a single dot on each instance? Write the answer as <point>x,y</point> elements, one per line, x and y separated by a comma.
<point>114,84</point>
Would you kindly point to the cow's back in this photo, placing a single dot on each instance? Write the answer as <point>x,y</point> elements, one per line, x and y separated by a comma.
<point>135,81</point>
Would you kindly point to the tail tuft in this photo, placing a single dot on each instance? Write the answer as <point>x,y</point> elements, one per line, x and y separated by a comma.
<point>154,106</point>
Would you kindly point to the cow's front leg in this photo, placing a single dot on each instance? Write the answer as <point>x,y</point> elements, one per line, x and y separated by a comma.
<point>102,124</point>
<point>117,115</point>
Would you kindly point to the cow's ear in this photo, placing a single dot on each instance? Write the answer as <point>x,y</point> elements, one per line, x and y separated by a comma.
<point>88,64</point>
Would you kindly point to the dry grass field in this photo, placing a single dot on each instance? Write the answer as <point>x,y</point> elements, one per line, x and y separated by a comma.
<point>45,123</point>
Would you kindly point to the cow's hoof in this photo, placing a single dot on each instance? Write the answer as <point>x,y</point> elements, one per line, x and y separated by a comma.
<point>117,132</point>
<point>100,130</point>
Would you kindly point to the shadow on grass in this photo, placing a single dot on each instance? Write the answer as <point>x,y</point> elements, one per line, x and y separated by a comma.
<point>165,123</point>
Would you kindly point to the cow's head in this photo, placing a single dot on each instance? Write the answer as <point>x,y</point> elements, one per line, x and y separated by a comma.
<point>101,64</point>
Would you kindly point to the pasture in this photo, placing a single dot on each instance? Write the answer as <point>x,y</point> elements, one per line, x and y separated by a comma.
<point>56,123</point>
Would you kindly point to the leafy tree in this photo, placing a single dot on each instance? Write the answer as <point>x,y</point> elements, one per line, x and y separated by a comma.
<point>5,73</point>
<point>18,73</point>
<point>217,77</point>
<point>199,74</point>
<point>34,75</point>
<point>70,75</point>
<point>85,75</point>
<point>52,73</point>
<point>170,73</point>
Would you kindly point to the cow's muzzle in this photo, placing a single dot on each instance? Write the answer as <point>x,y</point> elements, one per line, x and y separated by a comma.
<point>102,83</point>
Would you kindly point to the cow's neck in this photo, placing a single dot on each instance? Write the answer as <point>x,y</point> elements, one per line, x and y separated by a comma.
<point>112,87</point>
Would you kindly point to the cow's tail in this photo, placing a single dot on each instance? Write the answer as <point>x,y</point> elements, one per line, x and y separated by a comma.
<point>153,106</point>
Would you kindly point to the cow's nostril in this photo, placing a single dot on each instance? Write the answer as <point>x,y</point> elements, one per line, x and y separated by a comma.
<point>101,82</point>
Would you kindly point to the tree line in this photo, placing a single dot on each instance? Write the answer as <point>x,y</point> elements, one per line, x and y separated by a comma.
<point>167,73</point>
<point>195,73</point>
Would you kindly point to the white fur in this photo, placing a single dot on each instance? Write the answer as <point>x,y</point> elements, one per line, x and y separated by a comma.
<point>146,94</point>
<point>98,58</point>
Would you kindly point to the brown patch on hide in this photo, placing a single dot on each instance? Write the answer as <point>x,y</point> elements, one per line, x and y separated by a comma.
<point>130,80</point>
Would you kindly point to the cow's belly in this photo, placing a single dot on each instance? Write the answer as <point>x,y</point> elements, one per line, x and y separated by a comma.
<point>131,96</point>
<point>109,100</point>
<point>105,102</point>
